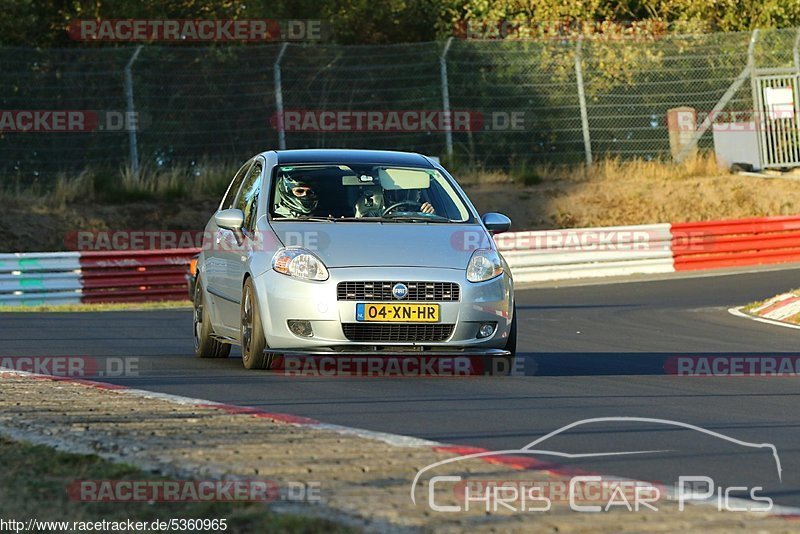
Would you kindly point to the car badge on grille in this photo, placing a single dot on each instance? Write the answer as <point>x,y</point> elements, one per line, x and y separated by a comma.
<point>400,291</point>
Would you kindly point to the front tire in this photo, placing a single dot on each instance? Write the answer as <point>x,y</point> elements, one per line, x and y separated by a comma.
<point>511,343</point>
<point>205,346</point>
<point>251,331</point>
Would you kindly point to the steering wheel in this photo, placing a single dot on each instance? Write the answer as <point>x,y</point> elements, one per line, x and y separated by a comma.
<point>403,203</point>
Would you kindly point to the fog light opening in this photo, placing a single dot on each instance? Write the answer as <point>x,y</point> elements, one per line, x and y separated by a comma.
<point>486,330</point>
<point>300,328</point>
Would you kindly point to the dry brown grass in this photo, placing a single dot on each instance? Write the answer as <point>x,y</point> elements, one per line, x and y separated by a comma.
<point>640,192</point>
<point>71,189</point>
<point>606,169</point>
<point>614,169</point>
<point>181,181</point>
<point>479,177</point>
<point>613,192</point>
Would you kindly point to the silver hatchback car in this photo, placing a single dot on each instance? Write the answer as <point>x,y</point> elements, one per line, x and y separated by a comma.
<point>351,251</point>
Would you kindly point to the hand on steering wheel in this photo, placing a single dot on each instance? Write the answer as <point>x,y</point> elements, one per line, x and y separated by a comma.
<point>403,203</point>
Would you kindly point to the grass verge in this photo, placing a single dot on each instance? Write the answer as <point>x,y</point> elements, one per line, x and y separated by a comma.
<point>35,478</point>
<point>610,169</point>
<point>206,178</point>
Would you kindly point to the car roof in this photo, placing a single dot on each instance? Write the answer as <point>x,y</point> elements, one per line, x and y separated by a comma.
<point>344,157</point>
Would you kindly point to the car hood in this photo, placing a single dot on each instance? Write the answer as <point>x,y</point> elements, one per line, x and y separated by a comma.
<point>372,244</point>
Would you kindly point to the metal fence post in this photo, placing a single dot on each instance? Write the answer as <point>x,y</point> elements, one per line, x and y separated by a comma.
<point>796,51</point>
<point>132,140</point>
<point>279,97</point>
<point>587,142</point>
<point>448,132</point>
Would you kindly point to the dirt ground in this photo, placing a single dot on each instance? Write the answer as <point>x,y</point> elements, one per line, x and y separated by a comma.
<point>35,228</point>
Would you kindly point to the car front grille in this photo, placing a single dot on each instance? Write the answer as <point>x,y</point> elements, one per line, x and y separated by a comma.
<point>417,291</point>
<point>384,333</point>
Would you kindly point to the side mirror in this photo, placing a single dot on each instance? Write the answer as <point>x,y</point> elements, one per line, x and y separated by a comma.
<point>496,223</point>
<point>231,219</point>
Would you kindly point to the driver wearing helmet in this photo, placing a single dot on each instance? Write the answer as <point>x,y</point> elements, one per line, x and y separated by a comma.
<point>294,197</point>
<point>374,201</point>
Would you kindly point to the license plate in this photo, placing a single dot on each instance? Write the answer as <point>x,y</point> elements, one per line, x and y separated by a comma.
<point>398,313</point>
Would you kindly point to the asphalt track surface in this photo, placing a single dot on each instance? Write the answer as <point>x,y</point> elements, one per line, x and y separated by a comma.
<point>591,351</point>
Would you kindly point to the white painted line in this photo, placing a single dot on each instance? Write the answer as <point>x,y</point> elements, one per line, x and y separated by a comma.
<point>739,313</point>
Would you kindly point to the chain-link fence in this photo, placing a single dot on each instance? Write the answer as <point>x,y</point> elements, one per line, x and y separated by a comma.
<point>523,99</point>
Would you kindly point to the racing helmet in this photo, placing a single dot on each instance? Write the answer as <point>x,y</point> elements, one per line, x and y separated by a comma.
<point>296,195</point>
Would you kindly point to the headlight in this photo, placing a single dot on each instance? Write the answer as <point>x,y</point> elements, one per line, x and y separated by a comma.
<point>484,265</point>
<point>300,263</point>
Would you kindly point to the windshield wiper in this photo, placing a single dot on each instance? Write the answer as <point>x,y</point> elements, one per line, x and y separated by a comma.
<point>359,219</point>
<point>366,219</point>
<point>431,218</point>
<point>329,218</point>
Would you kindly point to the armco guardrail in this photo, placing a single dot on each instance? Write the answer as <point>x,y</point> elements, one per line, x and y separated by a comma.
<point>718,244</point>
<point>587,252</point>
<point>75,277</point>
<point>646,249</point>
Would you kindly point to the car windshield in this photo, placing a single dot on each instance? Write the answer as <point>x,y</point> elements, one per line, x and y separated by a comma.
<point>365,193</point>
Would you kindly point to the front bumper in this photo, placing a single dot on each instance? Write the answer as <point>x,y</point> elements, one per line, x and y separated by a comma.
<point>442,352</point>
<point>282,298</point>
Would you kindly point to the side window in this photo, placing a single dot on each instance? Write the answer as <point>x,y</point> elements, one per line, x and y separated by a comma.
<point>248,198</point>
<point>230,196</point>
